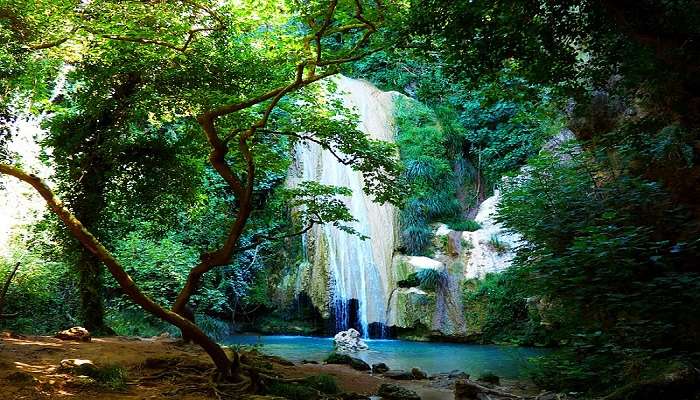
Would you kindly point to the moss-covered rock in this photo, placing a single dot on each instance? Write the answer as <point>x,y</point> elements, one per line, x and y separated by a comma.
<point>337,358</point>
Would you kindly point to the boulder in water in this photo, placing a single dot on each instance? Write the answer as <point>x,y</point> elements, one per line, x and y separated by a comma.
<point>379,368</point>
<point>418,373</point>
<point>335,358</point>
<point>390,391</point>
<point>349,341</point>
<point>358,364</point>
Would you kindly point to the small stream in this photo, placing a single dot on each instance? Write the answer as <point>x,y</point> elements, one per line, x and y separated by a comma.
<point>504,361</point>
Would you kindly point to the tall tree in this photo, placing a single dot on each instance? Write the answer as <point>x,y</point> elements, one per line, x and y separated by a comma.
<point>243,81</point>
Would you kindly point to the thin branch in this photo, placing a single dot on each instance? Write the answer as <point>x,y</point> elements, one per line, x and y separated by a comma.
<point>324,145</point>
<point>55,43</point>
<point>258,240</point>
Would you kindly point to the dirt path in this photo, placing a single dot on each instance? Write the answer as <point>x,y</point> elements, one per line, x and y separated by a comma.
<point>29,369</point>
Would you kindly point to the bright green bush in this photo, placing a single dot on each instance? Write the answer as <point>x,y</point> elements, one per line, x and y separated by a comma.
<point>43,294</point>
<point>466,225</point>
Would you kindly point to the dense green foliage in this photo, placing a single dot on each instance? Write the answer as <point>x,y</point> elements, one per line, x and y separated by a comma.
<point>421,140</point>
<point>608,267</point>
<point>609,257</point>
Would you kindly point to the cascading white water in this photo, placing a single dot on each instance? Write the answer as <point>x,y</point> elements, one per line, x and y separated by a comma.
<point>358,269</point>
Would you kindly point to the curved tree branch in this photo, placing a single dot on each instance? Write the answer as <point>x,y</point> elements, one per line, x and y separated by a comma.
<point>90,242</point>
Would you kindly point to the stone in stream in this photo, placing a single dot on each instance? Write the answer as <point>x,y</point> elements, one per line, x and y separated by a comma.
<point>399,375</point>
<point>379,368</point>
<point>390,391</point>
<point>418,373</point>
<point>349,341</point>
<point>358,364</point>
<point>355,363</point>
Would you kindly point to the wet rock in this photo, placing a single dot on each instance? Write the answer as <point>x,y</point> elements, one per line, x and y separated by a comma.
<point>349,341</point>
<point>399,375</point>
<point>359,365</point>
<point>309,362</point>
<point>418,373</point>
<point>489,378</point>
<point>390,391</point>
<point>379,368</point>
<point>454,243</point>
<point>459,375</point>
<point>76,333</point>
<point>335,358</point>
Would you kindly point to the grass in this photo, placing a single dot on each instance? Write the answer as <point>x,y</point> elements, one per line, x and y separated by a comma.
<point>497,245</point>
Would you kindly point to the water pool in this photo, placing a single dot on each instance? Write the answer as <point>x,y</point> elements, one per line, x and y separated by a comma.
<point>504,361</point>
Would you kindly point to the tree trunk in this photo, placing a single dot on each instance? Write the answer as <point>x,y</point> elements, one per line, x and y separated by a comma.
<point>92,310</point>
<point>87,239</point>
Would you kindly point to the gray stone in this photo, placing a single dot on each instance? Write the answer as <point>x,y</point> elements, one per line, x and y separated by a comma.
<point>459,375</point>
<point>358,364</point>
<point>418,374</point>
<point>390,391</point>
<point>379,368</point>
<point>399,375</point>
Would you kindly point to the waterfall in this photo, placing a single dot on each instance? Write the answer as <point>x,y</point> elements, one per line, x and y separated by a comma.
<point>358,271</point>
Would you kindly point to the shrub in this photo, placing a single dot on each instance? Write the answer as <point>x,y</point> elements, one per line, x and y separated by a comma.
<point>467,225</point>
<point>430,279</point>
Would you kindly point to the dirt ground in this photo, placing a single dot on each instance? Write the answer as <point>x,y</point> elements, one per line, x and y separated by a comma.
<point>30,369</point>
